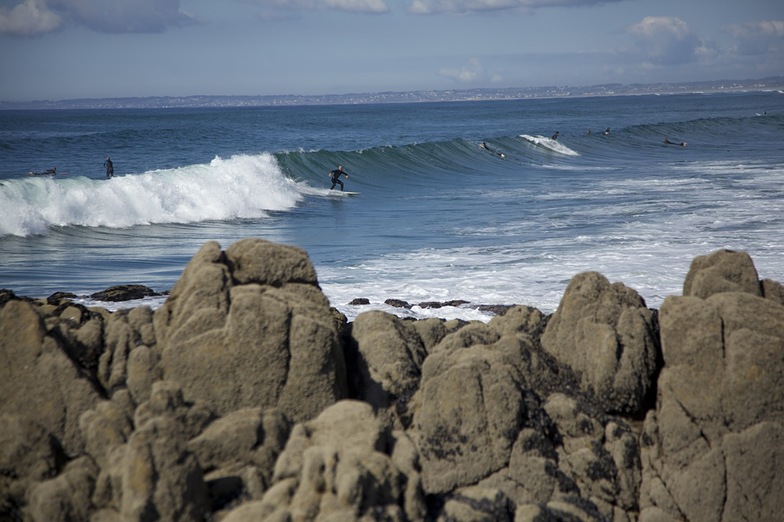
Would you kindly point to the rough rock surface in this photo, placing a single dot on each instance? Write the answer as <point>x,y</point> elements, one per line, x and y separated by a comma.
<point>249,327</point>
<point>719,418</point>
<point>246,397</point>
<point>606,333</point>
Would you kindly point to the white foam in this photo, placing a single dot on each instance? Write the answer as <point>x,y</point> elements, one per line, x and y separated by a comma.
<point>242,186</point>
<point>550,144</point>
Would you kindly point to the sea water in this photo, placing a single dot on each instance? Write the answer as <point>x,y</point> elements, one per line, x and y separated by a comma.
<point>438,217</point>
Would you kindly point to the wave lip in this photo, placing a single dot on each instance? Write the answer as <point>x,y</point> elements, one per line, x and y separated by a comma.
<point>550,144</point>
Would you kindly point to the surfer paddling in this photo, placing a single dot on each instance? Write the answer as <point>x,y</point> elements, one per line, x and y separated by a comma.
<point>47,172</point>
<point>335,176</point>
<point>668,142</point>
<point>499,154</point>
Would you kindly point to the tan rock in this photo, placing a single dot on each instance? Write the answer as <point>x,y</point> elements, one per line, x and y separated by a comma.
<point>607,335</point>
<point>250,328</point>
<point>721,271</point>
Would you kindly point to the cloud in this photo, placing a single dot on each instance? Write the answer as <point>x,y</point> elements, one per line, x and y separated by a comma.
<point>35,17</point>
<point>759,38</point>
<point>665,40</point>
<point>471,72</point>
<point>471,6</point>
<point>351,6</point>
<point>30,18</point>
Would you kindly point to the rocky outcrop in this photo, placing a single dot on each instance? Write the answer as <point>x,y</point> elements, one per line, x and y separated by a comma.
<point>249,327</point>
<point>606,333</point>
<point>246,397</point>
<point>719,419</point>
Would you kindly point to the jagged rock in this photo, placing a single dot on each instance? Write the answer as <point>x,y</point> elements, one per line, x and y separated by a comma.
<point>520,319</point>
<point>475,504</point>
<point>607,335</point>
<point>153,476</point>
<point>104,428</point>
<point>432,331</point>
<point>28,454</point>
<point>336,467</point>
<point>721,271</point>
<point>243,438</point>
<point>124,293</point>
<point>126,330</point>
<point>717,431</point>
<point>470,411</point>
<point>386,363</point>
<point>251,328</point>
<point>66,497</point>
<point>38,380</point>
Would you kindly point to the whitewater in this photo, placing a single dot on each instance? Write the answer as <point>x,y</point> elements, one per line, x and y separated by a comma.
<point>438,217</point>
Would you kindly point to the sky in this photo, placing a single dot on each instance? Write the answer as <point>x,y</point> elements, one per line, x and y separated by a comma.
<point>71,49</point>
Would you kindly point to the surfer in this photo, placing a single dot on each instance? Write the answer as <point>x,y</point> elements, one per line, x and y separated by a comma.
<point>499,154</point>
<point>47,172</point>
<point>555,136</point>
<point>109,167</point>
<point>668,142</point>
<point>335,176</point>
<point>606,131</point>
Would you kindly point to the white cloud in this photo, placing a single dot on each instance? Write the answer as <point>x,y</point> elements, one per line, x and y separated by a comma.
<point>469,6</point>
<point>665,40</point>
<point>353,6</point>
<point>110,16</point>
<point>32,17</point>
<point>471,72</point>
<point>759,38</point>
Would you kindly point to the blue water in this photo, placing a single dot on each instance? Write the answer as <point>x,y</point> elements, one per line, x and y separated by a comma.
<point>438,218</point>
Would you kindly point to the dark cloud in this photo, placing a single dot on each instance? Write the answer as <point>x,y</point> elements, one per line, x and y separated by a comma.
<point>35,17</point>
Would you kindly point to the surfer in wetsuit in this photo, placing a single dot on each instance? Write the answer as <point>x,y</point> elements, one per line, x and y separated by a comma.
<point>47,172</point>
<point>555,136</point>
<point>668,142</point>
<point>335,175</point>
<point>484,146</point>
<point>109,167</point>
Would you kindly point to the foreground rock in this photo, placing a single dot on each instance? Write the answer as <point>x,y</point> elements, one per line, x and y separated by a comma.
<point>246,397</point>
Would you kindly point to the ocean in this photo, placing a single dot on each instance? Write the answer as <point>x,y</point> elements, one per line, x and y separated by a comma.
<point>438,217</point>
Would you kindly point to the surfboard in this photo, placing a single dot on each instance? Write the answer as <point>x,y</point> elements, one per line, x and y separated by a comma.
<point>341,193</point>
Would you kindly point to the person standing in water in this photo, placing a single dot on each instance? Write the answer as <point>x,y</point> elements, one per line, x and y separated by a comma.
<point>335,175</point>
<point>109,167</point>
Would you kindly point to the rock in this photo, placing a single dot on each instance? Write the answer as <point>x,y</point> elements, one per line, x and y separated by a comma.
<point>154,476</point>
<point>243,438</point>
<point>127,330</point>
<point>28,454</point>
<point>520,319</point>
<point>359,301</point>
<point>66,497</point>
<point>386,363</point>
<point>124,293</point>
<point>721,271</point>
<point>337,467</point>
<point>470,411</point>
<point>607,335</point>
<point>397,303</point>
<point>251,328</point>
<point>717,428</point>
<point>38,380</point>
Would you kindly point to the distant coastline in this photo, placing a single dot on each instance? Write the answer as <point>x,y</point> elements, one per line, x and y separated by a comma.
<point>451,95</point>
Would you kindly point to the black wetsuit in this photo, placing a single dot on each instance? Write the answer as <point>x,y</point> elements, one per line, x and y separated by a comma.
<point>109,168</point>
<point>335,174</point>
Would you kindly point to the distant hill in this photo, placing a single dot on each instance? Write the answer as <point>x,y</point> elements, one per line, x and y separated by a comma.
<point>512,93</point>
